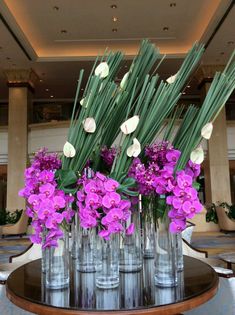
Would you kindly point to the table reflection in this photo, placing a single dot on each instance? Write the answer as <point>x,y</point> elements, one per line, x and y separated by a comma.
<point>136,289</point>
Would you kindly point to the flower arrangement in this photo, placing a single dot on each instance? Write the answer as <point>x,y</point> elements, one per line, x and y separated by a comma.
<point>48,206</point>
<point>100,204</point>
<point>135,112</point>
<point>157,176</point>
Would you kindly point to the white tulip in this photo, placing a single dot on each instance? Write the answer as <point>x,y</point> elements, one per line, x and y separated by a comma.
<point>69,150</point>
<point>130,125</point>
<point>89,125</point>
<point>134,149</point>
<point>207,131</point>
<point>171,79</point>
<point>124,80</point>
<point>197,155</point>
<point>82,101</point>
<point>102,70</point>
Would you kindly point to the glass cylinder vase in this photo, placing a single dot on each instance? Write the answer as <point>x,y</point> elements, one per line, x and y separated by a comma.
<point>148,226</point>
<point>107,262</point>
<point>86,249</point>
<point>179,252</point>
<point>57,271</point>
<point>130,246</point>
<point>74,237</point>
<point>166,256</point>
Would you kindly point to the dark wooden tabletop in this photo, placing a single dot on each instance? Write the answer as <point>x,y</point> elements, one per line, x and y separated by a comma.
<point>136,294</point>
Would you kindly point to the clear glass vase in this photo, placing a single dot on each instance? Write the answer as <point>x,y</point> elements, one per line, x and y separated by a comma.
<point>148,227</point>
<point>179,252</point>
<point>74,237</point>
<point>86,247</point>
<point>166,256</point>
<point>57,271</point>
<point>131,258</point>
<point>107,262</point>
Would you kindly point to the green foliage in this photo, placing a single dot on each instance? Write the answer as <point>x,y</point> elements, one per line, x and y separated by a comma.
<point>66,179</point>
<point>7,217</point>
<point>211,215</point>
<point>188,136</point>
<point>230,209</point>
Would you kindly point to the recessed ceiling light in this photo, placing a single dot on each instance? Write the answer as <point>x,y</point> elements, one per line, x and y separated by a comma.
<point>115,19</point>
<point>125,66</point>
<point>82,89</point>
<point>114,30</point>
<point>51,96</point>
<point>47,90</point>
<point>113,6</point>
<point>184,93</point>
<point>165,28</point>
<point>172,4</point>
<point>188,86</point>
<point>56,8</point>
<point>230,42</point>
<point>40,80</point>
<point>63,31</point>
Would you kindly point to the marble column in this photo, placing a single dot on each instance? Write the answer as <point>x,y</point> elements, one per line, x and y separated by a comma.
<point>21,85</point>
<point>216,166</point>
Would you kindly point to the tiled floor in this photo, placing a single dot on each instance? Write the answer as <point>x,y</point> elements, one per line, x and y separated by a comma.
<point>214,242</point>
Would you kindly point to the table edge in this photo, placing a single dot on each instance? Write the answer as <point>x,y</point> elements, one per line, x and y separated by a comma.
<point>169,309</point>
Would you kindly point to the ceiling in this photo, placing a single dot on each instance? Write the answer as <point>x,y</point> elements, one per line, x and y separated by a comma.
<point>57,38</point>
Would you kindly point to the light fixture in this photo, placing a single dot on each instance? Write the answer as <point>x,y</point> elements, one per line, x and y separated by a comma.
<point>115,19</point>
<point>51,96</point>
<point>40,80</point>
<point>113,6</point>
<point>184,93</point>
<point>188,86</point>
<point>82,89</point>
<point>125,66</point>
<point>165,28</point>
<point>47,90</point>
<point>114,30</point>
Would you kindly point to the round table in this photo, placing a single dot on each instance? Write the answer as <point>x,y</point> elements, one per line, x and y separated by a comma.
<point>229,258</point>
<point>136,294</point>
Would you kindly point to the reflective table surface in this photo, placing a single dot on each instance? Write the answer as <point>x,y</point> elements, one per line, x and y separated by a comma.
<point>136,294</point>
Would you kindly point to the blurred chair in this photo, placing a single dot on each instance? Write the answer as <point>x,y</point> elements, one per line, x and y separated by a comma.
<point>19,228</point>
<point>224,301</point>
<point>31,253</point>
<point>188,232</point>
<point>225,223</point>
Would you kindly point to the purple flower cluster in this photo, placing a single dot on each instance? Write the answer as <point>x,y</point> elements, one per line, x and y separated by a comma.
<point>157,176</point>
<point>108,155</point>
<point>47,206</point>
<point>101,205</point>
<point>183,200</point>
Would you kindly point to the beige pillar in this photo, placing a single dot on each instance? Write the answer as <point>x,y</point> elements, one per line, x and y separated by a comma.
<point>216,167</point>
<point>20,84</point>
